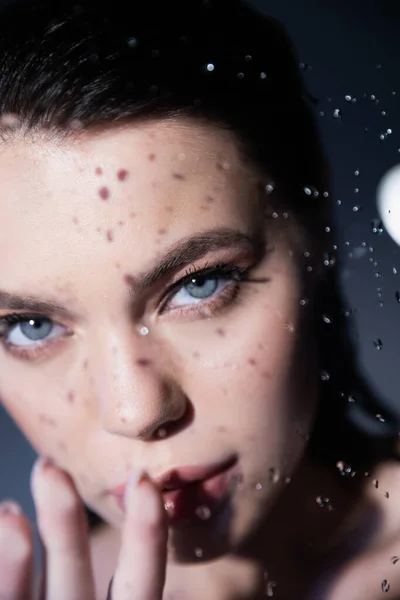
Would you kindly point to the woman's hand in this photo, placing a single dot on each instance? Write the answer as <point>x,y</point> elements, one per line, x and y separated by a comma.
<point>62,523</point>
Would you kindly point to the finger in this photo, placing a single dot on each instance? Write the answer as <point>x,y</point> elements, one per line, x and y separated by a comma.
<point>16,553</point>
<point>63,527</point>
<point>140,574</point>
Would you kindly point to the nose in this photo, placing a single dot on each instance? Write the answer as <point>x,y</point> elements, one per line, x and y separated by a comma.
<point>138,399</point>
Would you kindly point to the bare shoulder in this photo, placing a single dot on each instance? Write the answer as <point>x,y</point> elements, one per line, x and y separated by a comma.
<point>104,548</point>
<point>382,490</point>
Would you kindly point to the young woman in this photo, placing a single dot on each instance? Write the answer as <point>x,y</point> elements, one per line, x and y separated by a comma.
<point>165,210</point>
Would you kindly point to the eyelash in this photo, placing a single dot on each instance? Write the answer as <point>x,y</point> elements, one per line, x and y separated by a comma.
<point>226,271</point>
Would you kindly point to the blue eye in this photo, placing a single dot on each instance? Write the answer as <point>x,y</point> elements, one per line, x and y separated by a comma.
<point>24,331</point>
<point>202,287</point>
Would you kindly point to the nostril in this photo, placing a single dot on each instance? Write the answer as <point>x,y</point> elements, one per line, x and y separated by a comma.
<point>174,426</point>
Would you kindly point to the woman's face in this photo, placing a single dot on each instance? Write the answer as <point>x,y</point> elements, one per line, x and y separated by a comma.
<point>138,370</point>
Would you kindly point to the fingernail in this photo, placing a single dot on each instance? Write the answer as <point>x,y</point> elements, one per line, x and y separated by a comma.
<point>10,507</point>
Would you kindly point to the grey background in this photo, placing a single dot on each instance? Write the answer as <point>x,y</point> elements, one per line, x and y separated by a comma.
<point>347,47</point>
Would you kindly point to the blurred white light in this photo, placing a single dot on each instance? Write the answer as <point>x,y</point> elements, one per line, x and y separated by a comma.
<point>388,202</point>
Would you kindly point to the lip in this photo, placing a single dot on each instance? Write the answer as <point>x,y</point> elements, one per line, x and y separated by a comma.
<point>184,486</point>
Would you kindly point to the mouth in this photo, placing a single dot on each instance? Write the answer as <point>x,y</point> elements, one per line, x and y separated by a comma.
<point>191,492</point>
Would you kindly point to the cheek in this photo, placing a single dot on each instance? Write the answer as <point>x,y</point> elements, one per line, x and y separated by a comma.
<point>41,421</point>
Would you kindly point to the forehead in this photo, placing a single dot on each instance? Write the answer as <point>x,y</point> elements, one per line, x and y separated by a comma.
<point>58,201</point>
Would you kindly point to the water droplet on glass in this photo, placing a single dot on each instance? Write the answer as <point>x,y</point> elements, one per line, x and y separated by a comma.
<point>325,376</point>
<point>275,215</point>
<point>377,226</point>
<point>132,42</point>
<point>240,75</point>
<point>351,398</point>
<point>10,121</point>
<point>348,98</point>
<point>203,512</point>
<point>380,418</point>
<point>308,191</point>
<point>356,208</point>
<point>162,432</point>
<point>398,297</point>
<point>273,475</point>
<point>378,344</point>
<point>263,75</point>
<point>258,486</point>
<point>326,319</point>
<point>337,113</point>
<point>356,173</point>
<point>210,67</point>
<point>198,552</point>
<point>385,585</point>
<point>270,589</point>
<point>338,202</point>
<point>144,331</point>
<point>304,301</point>
<point>269,188</point>
<point>394,271</point>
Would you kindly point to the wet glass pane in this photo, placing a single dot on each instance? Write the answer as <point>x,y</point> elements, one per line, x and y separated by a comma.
<point>199,300</point>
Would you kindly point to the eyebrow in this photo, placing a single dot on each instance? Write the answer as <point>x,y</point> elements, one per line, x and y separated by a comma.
<point>180,254</point>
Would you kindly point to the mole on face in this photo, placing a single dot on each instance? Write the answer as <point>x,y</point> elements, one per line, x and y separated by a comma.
<point>47,420</point>
<point>132,215</point>
<point>104,193</point>
<point>70,397</point>
<point>220,331</point>
<point>118,265</point>
<point>162,231</point>
<point>122,174</point>
<point>110,235</point>
<point>196,354</point>
<point>210,199</point>
<point>75,220</point>
<point>98,229</point>
<point>99,171</point>
<point>129,280</point>
<point>152,157</point>
<point>252,362</point>
<point>178,176</point>
<point>169,208</point>
<point>85,364</point>
<point>143,362</point>
<point>121,223</point>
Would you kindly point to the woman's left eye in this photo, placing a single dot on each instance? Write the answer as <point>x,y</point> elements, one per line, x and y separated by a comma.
<point>201,287</point>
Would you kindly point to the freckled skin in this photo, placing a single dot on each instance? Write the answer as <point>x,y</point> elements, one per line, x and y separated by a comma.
<point>110,235</point>
<point>75,220</point>
<point>129,280</point>
<point>143,362</point>
<point>152,157</point>
<point>122,174</point>
<point>121,223</point>
<point>252,361</point>
<point>46,420</point>
<point>162,231</point>
<point>220,331</point>
<point>119,404</point>
<point>179,176</point>
<point>71,397</point>
<point>104,193</point>
<point>99,171</point>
